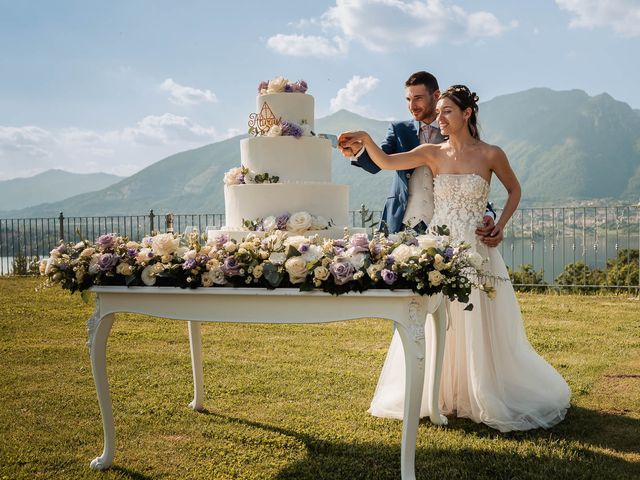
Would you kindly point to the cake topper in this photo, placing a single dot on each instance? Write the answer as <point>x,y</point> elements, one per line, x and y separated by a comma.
<point>261,123</point>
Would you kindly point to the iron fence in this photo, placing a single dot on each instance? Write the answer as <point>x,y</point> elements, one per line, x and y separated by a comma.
<point>539,240</point>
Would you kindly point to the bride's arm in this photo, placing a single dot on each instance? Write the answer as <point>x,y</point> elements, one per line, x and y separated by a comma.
<point>422,155</point>
<point>502,169</point>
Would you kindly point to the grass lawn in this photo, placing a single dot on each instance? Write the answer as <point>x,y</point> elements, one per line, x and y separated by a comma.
<point>290,401</point>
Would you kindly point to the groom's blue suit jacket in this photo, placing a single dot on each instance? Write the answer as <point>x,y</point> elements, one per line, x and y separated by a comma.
<point>401,137</point>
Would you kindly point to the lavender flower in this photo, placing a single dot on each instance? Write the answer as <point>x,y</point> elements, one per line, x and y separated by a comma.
<point>263,86</point>
<point>281,221</point>
<point>359,243</point>
<point>240,179</point>
<point>389,276</point>
<point>105,242</point>
<point>301,86</point>
<point>189,264</point>
<point>131,252</point>
<point>390,259</point>
<point>107,261</point>
<point>231,267</point>
<point>342,271</point>
<point>304,248</point>
<point>288,88</point>
<point>449,253</point>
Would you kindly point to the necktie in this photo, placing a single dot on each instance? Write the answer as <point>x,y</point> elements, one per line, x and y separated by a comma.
<point>427,131</point>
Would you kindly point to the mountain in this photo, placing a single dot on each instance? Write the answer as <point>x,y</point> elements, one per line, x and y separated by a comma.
<point>50,186</point>
<point>564,146</point>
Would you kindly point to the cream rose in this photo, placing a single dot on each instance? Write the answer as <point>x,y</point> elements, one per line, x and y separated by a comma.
<point>275,131</point>
<point>426,241</point>
<point>230,247</point>
<point>144,255</point>
<point>435,278</point>
<point>150,272</point>
<point>124,269</point>
<point>258,270</point>
<point>318,222</point>
<point>277,258</point>
<point>299,222</point>
<point>295,241</point>
<point>297,269</point>
<point>321,273</point>
<point>403,252</point>
<point>373,271</point>
<point>164,244</point>
<point>231,177</point>
<point>87,252</point>
<point>277,85</point>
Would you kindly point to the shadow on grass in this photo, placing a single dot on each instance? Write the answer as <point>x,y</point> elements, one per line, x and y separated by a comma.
<point>561,453</point>
<point>130,474</point>
<point>596,428</point>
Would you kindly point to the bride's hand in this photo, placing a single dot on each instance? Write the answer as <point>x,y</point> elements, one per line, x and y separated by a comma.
<point>353,140</point>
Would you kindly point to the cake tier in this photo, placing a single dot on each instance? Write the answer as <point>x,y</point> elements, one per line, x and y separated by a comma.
<point>293,107</point>
<point>256,201</point>
<point>292,159</point>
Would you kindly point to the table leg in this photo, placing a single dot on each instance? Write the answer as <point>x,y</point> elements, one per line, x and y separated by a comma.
<point>439,330</point>
<point>413,343</point>
<point>98,351</point>
<point>195,341</point>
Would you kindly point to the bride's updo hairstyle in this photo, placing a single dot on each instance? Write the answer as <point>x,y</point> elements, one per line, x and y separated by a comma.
<point>465,98</point>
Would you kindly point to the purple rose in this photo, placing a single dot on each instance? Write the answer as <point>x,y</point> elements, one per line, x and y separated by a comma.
<point>105,242</point>
<point>389,276</point>
<point>359,243</point>
<point>281,221</point>
<point>342,271</point>
<point>231,267</point>
<point>338,243</point>
<point>338,250</point>
<point>301,86</point>
<point>107,261</point>
<point>262,86</point>
<point>220,239</point>
<point>131,252</point>
<point>377,248</point>
<point>288,88</point>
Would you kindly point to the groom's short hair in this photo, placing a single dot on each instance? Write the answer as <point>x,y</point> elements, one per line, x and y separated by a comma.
<point>423,78</point>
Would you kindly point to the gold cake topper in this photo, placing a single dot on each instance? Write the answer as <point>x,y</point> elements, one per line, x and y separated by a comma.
<point>260,123</point>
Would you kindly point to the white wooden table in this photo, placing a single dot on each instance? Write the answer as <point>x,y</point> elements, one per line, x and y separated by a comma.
<point>287,305</point>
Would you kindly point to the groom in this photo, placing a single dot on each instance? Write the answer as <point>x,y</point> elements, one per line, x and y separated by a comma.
<point>410,202</point>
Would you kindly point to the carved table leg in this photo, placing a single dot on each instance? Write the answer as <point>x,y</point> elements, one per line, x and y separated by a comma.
<point>439,330</point>
<point>195,340</point>
<point>99,328</point>
<point>412,336</point>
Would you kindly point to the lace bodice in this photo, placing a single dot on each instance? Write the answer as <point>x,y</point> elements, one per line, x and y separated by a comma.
<point>460,202</point>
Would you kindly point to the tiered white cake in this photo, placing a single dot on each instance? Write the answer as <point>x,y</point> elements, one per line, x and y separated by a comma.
<point>301,160</point>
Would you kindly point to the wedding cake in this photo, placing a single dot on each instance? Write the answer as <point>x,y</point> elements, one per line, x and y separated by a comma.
<point>284,181</point>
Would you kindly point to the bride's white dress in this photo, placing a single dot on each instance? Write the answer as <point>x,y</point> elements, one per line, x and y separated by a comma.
<point>491,374</point>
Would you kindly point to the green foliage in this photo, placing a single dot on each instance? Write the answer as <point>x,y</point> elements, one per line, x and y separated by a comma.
<point>580,273</point>
<point>23,265</point>
<point>528,279</point>
<point>621,270</point>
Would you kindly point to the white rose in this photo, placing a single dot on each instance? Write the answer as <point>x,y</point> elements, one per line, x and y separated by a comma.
<point>217,275</point>
<point>189,255</point>
<point>438,262</point>
<point>275,131</point>
<point>435,278</point>
<point>269,223</point>
<point>78,246</point>
<point>357,260</point>
<point>306,129</point>
<point>231,177</point>
<point>295,241</point>
<point>426,241</point>
<point>476,260</point>
<point>164,244</point>
<point>403,252</point>
<point>277,85</point>
<point>277,258</point>
<point>143,256</point>
<point>134,245</point>
<point>206,279</point>
<point>297,269</point>
<point>150,272</point>
<point>313,254</point>
<point>230,247</point>
<point>299,222</point>
<point>318,222</point>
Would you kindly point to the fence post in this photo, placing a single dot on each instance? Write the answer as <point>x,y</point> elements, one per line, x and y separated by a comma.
<point>365,216</point>
<point>169,222</point>
<point>151,217</point>
<point>61,225</point>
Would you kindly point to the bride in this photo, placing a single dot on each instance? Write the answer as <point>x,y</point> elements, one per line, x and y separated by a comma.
<point>491,374</point>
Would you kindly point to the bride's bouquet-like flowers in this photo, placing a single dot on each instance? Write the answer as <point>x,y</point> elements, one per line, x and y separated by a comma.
<point>427,264</point>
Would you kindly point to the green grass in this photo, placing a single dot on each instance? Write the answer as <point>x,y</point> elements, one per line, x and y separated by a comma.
<point>289,401</point>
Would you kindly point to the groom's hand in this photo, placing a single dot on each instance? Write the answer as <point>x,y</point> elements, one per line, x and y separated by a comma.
<point>490,234</point>
<point>349,151</point>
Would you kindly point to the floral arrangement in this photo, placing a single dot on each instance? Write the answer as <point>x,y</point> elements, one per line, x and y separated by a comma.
<point>298,223</point>
<point>242,175</point>
<point>283,128</point>
<point>282,85</point>
<point>426,264</point>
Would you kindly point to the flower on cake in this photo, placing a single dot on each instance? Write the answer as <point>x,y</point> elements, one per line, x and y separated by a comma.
<point>277,259</point>
<point>297,223</point>
<point>242,175</point>
<point>282,85</point>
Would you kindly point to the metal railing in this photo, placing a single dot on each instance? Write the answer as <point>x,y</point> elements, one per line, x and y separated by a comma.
<point>547,239</point>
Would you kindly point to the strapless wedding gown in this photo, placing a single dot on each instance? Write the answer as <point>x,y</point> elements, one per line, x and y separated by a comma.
<point>490,372</point>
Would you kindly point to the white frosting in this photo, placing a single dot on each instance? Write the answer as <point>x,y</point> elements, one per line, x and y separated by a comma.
<point>293,107</point>
<point>251,202</point>
<point>292,159</point>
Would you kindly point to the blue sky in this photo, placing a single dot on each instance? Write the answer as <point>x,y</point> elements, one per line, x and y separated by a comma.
<point>90,86</point>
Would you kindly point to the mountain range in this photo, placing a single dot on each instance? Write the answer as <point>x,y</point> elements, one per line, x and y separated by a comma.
<point>565,146</point>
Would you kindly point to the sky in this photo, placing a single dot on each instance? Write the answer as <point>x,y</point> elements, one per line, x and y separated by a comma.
<point>89,86</point>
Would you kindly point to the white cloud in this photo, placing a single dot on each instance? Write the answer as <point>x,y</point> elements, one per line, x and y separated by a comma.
<point>25,151</point>
<point>623,16</point>
<point>183,95</point>
<point>350,96</point>
<point>306,46</point>
<point>385,25</point>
